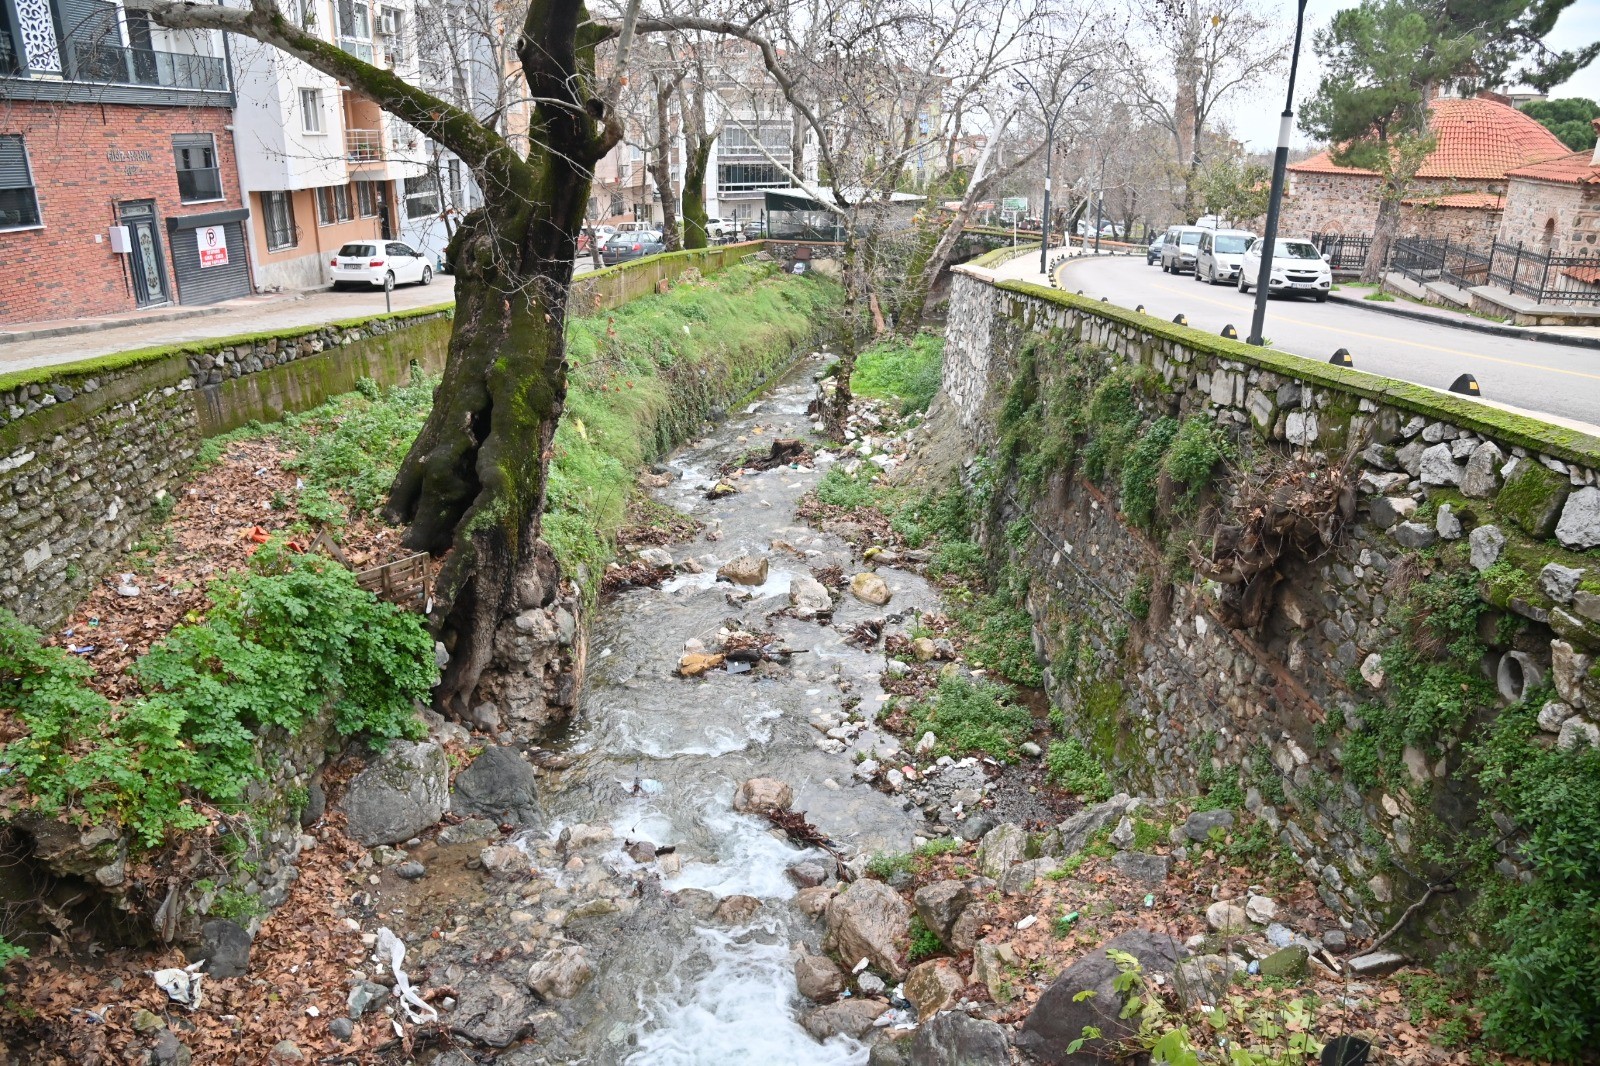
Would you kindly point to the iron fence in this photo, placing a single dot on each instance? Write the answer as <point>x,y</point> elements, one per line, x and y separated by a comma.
<point>1346,252</point>
<point>112,63</point>
<point>1424,259</point>
<point>1545,279</point>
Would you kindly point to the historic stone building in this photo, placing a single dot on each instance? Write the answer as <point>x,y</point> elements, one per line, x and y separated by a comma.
<point>1460,190</point>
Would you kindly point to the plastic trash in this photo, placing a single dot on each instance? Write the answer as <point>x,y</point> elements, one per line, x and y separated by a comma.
<point>394,949</point>
<point>181,986</point>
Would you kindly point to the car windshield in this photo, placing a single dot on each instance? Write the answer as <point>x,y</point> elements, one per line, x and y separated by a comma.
<point>358,249</point>
<point>1231,244</point>
<point>1296,250</point>
<point>1185,239</point>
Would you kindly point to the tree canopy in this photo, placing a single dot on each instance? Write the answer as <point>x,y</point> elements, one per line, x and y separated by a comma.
<point>1568,118</point>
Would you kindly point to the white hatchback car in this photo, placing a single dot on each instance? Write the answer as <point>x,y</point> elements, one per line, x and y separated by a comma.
<point>379,265</point>
<point>1297,269</point>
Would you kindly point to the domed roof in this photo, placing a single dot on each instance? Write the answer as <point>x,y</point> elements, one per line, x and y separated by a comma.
<point>1478,139</point>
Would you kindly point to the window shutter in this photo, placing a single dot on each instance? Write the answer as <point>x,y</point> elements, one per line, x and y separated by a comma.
<point>13,164</point>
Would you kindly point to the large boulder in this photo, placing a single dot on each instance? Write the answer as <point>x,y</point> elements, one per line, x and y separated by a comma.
<point>1579,526</point>
<point>818,978</point>
<point>1003,847</point>
<point>1075,831</point>
<point>1061,1015</point>
<point>1533,497</point>
<point>492,1011</point>
<point>745,570</point>
<point>499,785</point>
<point>869,921</point>
<point>762,794</point>
<point>940,904</point>
<point>400,793</point>
<point>932,986</point>
<point>848,1017</point>
<point>809,597</point>
<point>956,1039</point>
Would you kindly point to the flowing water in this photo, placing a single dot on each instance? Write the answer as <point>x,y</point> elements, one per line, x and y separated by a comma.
<point>657,758</point>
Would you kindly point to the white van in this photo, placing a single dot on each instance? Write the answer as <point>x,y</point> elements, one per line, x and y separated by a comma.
<point>1218,255</point>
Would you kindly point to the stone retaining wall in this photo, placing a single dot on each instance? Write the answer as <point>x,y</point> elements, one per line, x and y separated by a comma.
<point>1177,700</point>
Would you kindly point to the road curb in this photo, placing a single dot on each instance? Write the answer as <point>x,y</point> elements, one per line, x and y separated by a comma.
<point>1491,328</point>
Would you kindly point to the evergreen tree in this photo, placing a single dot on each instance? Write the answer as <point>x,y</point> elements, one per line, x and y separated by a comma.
<point>1568,119</point>
<point>1511,42</point>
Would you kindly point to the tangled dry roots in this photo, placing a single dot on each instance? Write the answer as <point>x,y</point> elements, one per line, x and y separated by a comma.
<point>1290,509</point>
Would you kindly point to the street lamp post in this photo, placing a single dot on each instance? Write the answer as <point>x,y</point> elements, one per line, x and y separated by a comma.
<point>1280,166</point>
<point>1050,119</point>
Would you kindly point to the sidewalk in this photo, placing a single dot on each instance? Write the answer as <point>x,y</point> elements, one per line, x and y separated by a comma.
<point>1576,336</point>
<point>48,343</point>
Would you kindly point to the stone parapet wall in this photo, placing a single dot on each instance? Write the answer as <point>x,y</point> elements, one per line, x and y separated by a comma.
<point>1175,700</point>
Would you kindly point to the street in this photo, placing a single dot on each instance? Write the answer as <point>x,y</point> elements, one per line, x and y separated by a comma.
<point>1537,377</point>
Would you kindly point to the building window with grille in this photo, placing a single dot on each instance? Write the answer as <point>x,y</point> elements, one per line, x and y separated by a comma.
<point>311,110</point>
<point>199,178</point>
<point>369,197</point>
<point>19,205</point>
<point>277,212</point>
<point>422,197</point>
<point>333,205</point>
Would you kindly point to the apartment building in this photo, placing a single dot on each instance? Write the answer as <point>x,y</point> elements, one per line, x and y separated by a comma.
<point>118,187</point>
<point>319,163</point>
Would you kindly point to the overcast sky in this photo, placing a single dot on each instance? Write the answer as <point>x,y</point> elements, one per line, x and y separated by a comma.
<point>1256,121</point>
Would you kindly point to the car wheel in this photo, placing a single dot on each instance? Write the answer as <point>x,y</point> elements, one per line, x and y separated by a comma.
<point>427,275</point>
<point>388,282</point>
<point>1322,297</point>
<point>337,286</point>
<point>1244,288</point>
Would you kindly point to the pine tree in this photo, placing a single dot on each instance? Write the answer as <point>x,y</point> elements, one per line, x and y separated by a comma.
<point>1569,118</point>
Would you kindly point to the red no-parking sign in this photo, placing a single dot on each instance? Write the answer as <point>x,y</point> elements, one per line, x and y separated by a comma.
<point>213,241</point>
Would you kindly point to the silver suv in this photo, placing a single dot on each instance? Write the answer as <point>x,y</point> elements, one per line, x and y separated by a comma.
<point>1178,250</point>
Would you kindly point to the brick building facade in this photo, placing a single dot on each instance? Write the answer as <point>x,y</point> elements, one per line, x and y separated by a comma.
<point>95,168</point>
<point>1459,191</point>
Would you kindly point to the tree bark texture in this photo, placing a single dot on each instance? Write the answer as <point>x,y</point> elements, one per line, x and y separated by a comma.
<point>661,167</point>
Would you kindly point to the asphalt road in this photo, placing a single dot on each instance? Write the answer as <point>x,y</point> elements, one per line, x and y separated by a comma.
<point>1533,376</point>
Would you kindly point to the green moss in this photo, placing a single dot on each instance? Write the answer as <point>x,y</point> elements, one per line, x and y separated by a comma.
<point>1532,498</point>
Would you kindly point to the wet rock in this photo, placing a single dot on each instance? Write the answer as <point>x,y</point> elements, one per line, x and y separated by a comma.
<point>468,832</point>
<point>225,947</point>
<point>762,794</point>
<point>1224,917</point>
<point>1198,826</point>
<point>848,1017</point>
<point>693,664</point>
<point>956,1039</point>
<point>642,851</point>
<point>1003,847</point>
<point>870,589</point>
<point>745,570</point>
<point>736,910</point>
<point>891,1050</point>
<point>582,836</point>
<point>505,861</point>
<point>940,904</point>
<point>492,1011</point>
<point>813,902</point>
<point>697,901</point>
<point>400,793</point>
<point>599,908</point>
<point>410,870</point>
<point>1141,866</point>
<point>1485,544</point>
<point>807,874</point>
<point>818,978</point>
<point>932,986</point>
<point>499,785</point>
<point>1076,830</point>
<point>656,557</point>
<point>809,597</point>
<point>561,974</point>
<point>869,920</point>
<point>1059,1018</point>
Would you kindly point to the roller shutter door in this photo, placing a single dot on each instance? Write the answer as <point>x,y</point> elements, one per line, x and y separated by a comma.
<point>207,284</point>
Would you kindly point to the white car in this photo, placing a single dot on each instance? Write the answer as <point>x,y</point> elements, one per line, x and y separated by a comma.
<point>1217,257</point>
<point>719,228</point>
<point>379,264</point>
<point>1298,269</point>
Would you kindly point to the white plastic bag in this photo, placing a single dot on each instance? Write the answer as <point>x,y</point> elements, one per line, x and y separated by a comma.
<point>393,949</point>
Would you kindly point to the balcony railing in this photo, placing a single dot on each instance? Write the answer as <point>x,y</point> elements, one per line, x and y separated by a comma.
<point>363,146</point>
<point>115,64</point>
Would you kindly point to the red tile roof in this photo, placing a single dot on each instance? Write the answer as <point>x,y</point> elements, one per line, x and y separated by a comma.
<point>1473,200</point>
<point>1575,169</point>
<point>1477,139</point>
<point>1588,274</point>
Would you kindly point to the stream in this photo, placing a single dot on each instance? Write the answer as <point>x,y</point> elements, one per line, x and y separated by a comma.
<point>678,978</point>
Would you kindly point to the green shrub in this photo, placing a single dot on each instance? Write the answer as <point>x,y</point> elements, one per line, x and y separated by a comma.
<point>967,715</point>
<point>1069,765</point>
<point>839,488</point>
<point>281,643</point>
<point>900,370</point>
<point>1200,445</point>
<point>1000,629</point>
<point>1142,469</point>
<point>925,943</point>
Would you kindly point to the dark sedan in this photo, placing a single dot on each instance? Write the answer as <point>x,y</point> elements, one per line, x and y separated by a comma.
<point>626,247</point>
<point>1153,253</point>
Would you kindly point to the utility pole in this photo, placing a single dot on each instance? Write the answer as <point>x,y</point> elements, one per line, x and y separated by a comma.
<point>1280,166</point>
<point>1050,119</point>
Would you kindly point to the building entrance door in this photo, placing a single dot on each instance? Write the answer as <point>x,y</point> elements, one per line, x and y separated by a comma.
<point>144,262</point>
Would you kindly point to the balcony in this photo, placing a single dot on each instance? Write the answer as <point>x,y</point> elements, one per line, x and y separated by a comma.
<point>363,146</point>
<point>113,64</point>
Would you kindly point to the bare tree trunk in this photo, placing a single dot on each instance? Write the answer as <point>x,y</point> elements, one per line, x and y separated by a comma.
<point>661,168</point>
<point>694,192</point>
<point>1382,233</point>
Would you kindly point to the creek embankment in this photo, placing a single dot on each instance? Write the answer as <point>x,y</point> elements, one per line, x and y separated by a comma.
<point>680,973</point>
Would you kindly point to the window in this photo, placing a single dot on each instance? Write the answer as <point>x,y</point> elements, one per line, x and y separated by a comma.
<point>422,197</point>
<point>368,198</point>
<point>311,110</point>
<point>616,205</point>
<point>19,206</point>
<point>359,250</point>
<point>277,213</point>
<point>199,179</point>
<point>333,204</point>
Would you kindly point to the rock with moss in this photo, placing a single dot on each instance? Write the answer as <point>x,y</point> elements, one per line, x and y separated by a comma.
<point>1288,963</point>
<point>1533,497</point>
<point>400,793</point>
<point>1579,525</point>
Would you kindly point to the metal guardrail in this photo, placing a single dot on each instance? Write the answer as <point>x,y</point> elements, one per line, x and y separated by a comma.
<point>115,64</point>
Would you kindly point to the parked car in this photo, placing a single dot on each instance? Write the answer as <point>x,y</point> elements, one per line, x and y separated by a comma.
<point>722,228</point>
<point>1219,253</point>
<point>626,247</point>
<point>1177,251</point>
<point>379,264</point>
<point>1153,252</point>
<point>1298,269</point>
<point>753,230</point>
